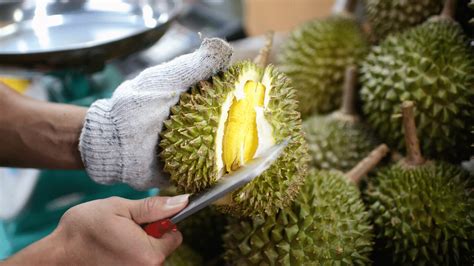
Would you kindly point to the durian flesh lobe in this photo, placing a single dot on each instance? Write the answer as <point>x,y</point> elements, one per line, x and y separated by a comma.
<point>219,125</point>
<point>240,134</point>
<point>423,215</point>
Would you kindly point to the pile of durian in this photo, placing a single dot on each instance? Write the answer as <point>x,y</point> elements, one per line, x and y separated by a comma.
<point>348,91</point>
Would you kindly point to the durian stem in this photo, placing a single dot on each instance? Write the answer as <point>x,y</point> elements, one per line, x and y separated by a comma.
<point>350,84</point>
<point>367,164</point>
<point>350,6</point>
<point>414,156</point>
<point>264,53</point>
<point>449,9</point>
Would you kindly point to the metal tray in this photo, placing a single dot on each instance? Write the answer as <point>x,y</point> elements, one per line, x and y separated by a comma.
<point>79,33</point>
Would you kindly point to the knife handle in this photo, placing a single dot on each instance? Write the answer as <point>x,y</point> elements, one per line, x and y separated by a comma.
<point>159,228</point>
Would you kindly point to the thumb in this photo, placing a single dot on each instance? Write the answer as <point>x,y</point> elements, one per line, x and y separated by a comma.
<point>182,72</point>
<point>156,208</point>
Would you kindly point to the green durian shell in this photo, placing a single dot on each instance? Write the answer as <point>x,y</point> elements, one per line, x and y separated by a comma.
<point>326,225</point>
<point>433,66</point>
<point>203,232</point>
<point>388,17</point>
<point>335,143</point>
<point>184,256</point>
<point>188,143</point>
<point>315,57</point>
<point>423,215</point>
<point>471,6</point>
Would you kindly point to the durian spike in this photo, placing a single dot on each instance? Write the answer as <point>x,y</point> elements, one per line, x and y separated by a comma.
<point>449,9</point>
<point>367,164</point>
<point>414,156</point>
<point>350,86</point>
<point>264,53</point>
<point>349,6</point>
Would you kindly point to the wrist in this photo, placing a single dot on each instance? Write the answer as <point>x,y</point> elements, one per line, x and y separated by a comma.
<point>100,144</point>
<point>47,251</point>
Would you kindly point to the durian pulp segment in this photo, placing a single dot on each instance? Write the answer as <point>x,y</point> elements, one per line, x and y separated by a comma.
<point>240,133</point>
<point>243,131</point>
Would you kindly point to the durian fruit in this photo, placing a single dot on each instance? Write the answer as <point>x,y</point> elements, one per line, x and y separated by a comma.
<point>184,256</point>
<point>388,17</point>
<point>315,57</point>
<point>422,210</point>
<point>222,123</point>
<point>339,141</point>
<point>471,6</point>
<point>203,230</point>
<point>432,65</point>
<point>326,225</point>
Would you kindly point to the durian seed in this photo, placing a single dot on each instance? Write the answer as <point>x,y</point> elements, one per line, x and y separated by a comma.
<point>240,140</point>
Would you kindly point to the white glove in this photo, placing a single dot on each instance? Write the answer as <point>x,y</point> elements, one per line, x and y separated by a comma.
<point>119,139</point>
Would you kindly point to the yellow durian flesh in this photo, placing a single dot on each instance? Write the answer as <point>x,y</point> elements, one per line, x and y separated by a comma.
<point>240,140</point>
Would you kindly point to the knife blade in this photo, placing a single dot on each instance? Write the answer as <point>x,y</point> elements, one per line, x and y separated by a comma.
<point>225,185</point>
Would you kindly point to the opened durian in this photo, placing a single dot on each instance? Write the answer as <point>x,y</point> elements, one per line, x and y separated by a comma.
<point>432,65</point>
<point>223,123</point>
<point>184,256</point>
<point>423,210</point>
<point>338,141</point>
<point>326,225</point>
<point>315,57</point>
<point>387,17</point>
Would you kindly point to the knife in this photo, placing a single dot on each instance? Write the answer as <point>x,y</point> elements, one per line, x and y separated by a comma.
<point>225,185</point>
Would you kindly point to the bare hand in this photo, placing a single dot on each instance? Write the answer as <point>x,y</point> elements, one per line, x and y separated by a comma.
<point>107,232</point>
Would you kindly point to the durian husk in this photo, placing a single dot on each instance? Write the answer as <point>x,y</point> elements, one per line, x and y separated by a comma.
<point>326,225</point>
<point>336,144</point>
<point>391,17</point>
<point>433,66</point>
<point>203,230</point>
<point>315,57</point>
<point>184,256</point>
<point>188,143</point>
<point>423,215</point>
<point>471,6</point>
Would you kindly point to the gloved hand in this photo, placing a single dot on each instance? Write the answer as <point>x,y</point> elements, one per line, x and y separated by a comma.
<point>119,139</point>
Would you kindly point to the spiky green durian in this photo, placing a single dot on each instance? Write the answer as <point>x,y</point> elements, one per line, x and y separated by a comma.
<point>424,215</point>
<point>423,210</point>
<point>219,125</point>
<point>184,256</point>
<point>203,232</point>
<point>433,66</point>
<point>326,225</point>
<point>335,143</point>
<point>471,5</point>
<point>315,57</point>
<point>394,16</point>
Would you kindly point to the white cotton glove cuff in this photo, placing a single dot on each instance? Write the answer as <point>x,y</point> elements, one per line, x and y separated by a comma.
<point>119,139</point>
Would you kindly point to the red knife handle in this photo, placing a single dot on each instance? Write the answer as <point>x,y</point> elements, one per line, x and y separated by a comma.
<point>159,228</point>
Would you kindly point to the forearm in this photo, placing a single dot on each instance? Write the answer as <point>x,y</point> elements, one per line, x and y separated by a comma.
<point>47,251</point>
<point>39,134</point>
